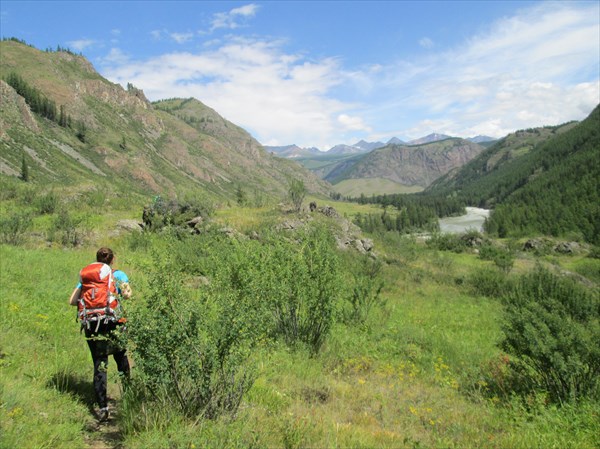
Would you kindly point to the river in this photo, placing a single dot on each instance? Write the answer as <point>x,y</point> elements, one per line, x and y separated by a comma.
<point>473,219</point>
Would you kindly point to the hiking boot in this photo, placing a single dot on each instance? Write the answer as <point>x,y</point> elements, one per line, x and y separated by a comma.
<point>103,415</point>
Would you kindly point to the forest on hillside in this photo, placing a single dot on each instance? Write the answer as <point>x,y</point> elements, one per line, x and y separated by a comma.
<point>553,190</point>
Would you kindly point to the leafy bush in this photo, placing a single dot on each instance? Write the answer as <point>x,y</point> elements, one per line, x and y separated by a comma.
<point>14,227</point>
<point>48,203</point>
<point>291,286</point>
<point>489,282</point>
<point>297,281</point>
<point>161,213</point>
<point>502,257</point>
<point>296,192</point>
<point>9,188</point>
<point>446,242</point>
<point>457,243</point>
<point>308,290</point>
<point>594,252</point>
<point>66,229</point>
<point>191,353</point>
<point>366,289</point>
<point>553,328</point>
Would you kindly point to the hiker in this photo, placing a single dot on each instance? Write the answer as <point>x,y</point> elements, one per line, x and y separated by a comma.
<point>98,297</point>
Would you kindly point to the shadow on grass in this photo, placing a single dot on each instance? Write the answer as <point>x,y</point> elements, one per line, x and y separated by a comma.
<point>81,390</point>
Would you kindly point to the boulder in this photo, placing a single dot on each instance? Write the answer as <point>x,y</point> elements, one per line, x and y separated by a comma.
<point>367,244</point>
<point>130,225</point>
<point>194,222</point>
<point>329,211</point>
<point>567,248</point>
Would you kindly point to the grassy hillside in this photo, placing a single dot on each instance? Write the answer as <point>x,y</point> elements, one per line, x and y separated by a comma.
<point>116,139</point>
<point>372,186</point>
<point>327,165</point>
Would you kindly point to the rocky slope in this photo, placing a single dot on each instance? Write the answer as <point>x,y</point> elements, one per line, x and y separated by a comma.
<point>414,165</point>
<point>129,142</point>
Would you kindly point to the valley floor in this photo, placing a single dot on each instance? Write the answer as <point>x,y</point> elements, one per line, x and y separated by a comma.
<point>409,377</point>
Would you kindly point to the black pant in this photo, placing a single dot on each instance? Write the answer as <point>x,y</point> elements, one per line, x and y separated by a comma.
<point>102,342</point>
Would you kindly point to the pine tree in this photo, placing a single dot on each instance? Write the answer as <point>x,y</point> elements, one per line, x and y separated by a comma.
<point>24,170</point>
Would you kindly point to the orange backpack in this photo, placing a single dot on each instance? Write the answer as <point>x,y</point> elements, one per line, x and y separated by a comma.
<point>98,299</point>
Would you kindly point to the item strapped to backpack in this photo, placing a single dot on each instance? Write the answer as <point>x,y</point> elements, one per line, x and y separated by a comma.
<point>98,299</point>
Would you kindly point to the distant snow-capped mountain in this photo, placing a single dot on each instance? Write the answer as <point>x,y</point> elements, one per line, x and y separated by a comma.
<point>293,151</point>
<point>434,137</point>
<point>368,146</point>
<point>345,149</point>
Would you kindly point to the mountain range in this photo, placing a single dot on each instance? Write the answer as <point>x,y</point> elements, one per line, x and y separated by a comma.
<point>294,151</point>
<point>71,127</point>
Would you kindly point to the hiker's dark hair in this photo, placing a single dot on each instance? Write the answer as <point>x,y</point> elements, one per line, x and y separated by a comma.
<point>105,255</point>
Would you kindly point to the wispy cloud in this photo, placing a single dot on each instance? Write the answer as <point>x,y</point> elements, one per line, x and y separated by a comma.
<point>115,57</point>
<point>280,97</point>
<point>538,67</point>
<point>233,18</point>
<point>181,38</point>
<point>426,42</point>
<point>81,44</point>
<point>164,34</point>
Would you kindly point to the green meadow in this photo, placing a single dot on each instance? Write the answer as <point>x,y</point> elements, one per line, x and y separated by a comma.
<point>409,357</point>
<point>353,188</point>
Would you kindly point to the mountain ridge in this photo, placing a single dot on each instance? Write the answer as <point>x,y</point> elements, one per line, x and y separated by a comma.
<point>162,147</point>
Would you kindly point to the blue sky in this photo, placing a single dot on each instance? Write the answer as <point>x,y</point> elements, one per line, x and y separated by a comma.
<point>319,73</point>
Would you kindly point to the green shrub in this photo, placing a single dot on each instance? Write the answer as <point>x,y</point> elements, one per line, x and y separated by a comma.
<point>14,228</point>
<point>9,188</point>
<point>455,242</point>
<point>366,289</point>
<point>296,193</point>
<point>489,282</point>
<point>503,258</point>
<point>553,328</point>
<point>162,213</point>
<point>66,229</point>
<point>48,203</point>
<point>191,353</point>
<point>594,252</point>
<point>300,281</point>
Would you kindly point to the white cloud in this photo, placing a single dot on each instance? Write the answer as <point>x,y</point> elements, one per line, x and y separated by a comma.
<point>279,97</point>
<point>426,43</point>
<point>115,57</point>
<point>156,34</point>
<point>81,44</point>
<point>352,123</point>
<point>231,19</point>
<point>181,38</point>
<point>539,67</point>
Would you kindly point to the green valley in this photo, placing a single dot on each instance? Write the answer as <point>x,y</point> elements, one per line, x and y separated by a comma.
<point>265,313</point>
